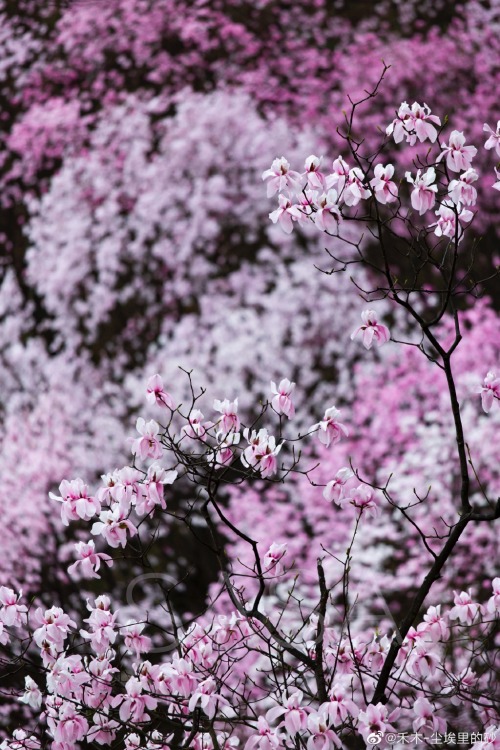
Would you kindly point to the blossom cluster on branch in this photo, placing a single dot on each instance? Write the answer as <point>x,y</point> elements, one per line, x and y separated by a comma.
<point>322,196</point>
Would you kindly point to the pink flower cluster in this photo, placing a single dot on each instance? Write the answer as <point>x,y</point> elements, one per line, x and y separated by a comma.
<point>321,196</point>
<point>412,123</point>
<point>330,430</point>
<point>282,401</point>
<point>490,391</point>
<point>372,331</point>
<point>84,698</point>
<point>261,452</point>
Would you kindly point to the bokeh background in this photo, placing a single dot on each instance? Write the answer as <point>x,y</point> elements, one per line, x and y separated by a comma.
<point>134,239</point>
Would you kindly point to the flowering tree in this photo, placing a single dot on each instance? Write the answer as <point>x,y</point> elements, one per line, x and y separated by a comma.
<point>284,656</point>
<point>107,275</point>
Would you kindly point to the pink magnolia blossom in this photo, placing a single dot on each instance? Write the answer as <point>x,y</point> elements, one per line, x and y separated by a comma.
<point>76,502</point>
<point>374,720</point>
<point>423,195</point>
<point>462,190</point>
<point>364,499</point>
<point>67,676</point>
<point>152,489</point>
<point>156,394</point>
<point>230,421</point>
<point>262,452</point>
<point>284,214</point>
<point>148,674</point>
<point>11,612</point>
<point>266,457</point>
<point>206,696</point>
<point>490,391</point>
<point>228,743</point>
<point>294,716</point>
<point>496,185</point>
<point>446,225</point>
<point>132,742</point>
<point>32,695</point>
<point>458,156</point>
<point>280,177</point>
<point>98,693</point>
<point>159,741</point>
<point>321,737</point>
<point>341,657</point>
<point>103,731</point>
<point>227,631</point>
<point>330,430</point>
<point>305,207</point>
<point>134,640</point>
<point>412,123</point>
<point>54,628</point>
<point>148,445</point>
<point>328,215</point>
<point>282,400</point>
<point>225,442</point>
<point>464,682</point>
<point>376,652</point>
<point>316,180</point>
<point>385,190</point>
<point>412,638</point>
<point>181,676</point>
<point>434,624</point>
<point>199,646</point>
<point>339,707</point>
<point>255,441</point>
<point>21,741</point>
<point>334,490</point>
<point>266,739</point>
<point>493,139</point>
<point>89,562</point>
<point>102,624</point>
<point>372,330</point>
<point>196,427</point>
<point>114,525</point>
<point>53,704</point>
<point>70,726</point>
<point>465,610</point>
<point>48,652</point>
<point>162,683</point>
<point>422,122</point>
<point>402,126</point>
<point>354,189</point>
<point>427,717</point>
<point>4,636</point>
<point>339,176</point>
<point>106,494</point>
<point>124,488</point>
<point>134,705</point>
<point>490,739</point>
<point>272,559</point>
<point>423,661</point>
<point>144,240</point>
<point>493,604</point>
